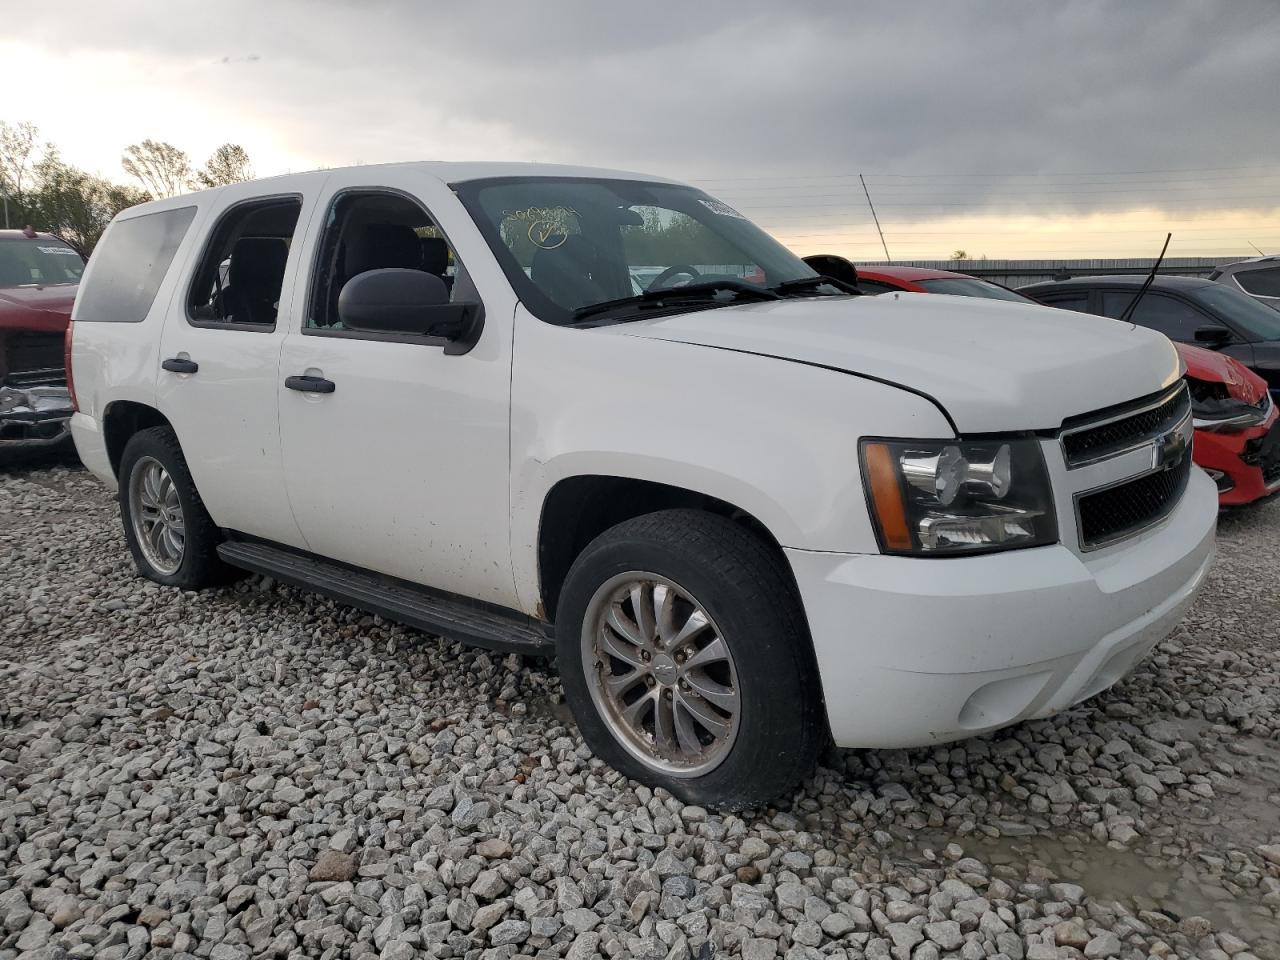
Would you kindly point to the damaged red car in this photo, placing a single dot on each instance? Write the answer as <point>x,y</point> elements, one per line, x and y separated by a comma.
<point>1237,426</point>
<point>1237,439</point>
<point>39,276</point>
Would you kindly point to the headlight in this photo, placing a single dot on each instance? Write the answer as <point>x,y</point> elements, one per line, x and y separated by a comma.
<point>1218,415</point>
<point>933,498</point>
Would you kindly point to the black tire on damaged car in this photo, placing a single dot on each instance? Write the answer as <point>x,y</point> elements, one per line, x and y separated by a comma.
<point>743,586</point>
<point>200,564</point>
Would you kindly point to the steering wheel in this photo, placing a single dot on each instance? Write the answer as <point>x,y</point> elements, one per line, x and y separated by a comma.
<point>660,281</point>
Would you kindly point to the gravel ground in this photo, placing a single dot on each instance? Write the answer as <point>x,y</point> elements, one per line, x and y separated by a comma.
<point>258,772</point>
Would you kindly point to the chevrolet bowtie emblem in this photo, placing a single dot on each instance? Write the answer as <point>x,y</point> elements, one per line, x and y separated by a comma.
<point>1168,449</point>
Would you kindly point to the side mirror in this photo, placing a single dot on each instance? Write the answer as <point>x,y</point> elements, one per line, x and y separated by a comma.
<point>409,303</point>
<point>1212,335</point>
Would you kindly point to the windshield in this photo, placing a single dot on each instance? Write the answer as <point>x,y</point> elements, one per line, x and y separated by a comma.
<point>39,262</point>
<point>972,287</point>
<point>1257,320</point>
<point>568,244</point>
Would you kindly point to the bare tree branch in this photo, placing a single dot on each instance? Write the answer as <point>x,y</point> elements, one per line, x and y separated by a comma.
<point>229,164</point>
<point>163,169</point>
<point>19,143</point>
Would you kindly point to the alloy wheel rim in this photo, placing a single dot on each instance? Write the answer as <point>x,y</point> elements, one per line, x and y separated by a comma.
<point>156,512</point>
<point>661,674</point>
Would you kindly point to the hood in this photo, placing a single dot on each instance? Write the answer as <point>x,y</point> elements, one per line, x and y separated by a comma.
<point>1241,382</point>
<point>991,365</point>
<point>44,309</point>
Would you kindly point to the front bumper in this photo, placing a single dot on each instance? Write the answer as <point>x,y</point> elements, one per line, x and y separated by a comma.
<point>920,651</point>
<point>36,416</point>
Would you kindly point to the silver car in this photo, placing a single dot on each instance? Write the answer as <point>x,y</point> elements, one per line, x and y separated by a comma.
<point>1259,277</point>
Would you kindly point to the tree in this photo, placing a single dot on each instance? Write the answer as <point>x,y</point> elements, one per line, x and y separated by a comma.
<point>960,255</point>
<point>163,169</point>
<point>19,145</point>
<point>229,164</point>
<point>75,205</point>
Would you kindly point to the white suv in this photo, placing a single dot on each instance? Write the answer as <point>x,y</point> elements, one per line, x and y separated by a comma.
<point>744,507</point>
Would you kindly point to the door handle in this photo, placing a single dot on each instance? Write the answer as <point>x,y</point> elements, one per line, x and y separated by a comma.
<point>178,365</point>
<point>310,384</point>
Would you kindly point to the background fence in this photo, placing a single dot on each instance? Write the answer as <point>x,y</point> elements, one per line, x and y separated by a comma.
<point>1016,273</point>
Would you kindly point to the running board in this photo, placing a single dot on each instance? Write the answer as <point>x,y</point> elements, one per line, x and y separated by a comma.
<point>431,611</point>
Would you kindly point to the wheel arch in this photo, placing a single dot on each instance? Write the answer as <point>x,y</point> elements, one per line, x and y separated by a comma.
<point>121,419</point>
<point>579,508</point>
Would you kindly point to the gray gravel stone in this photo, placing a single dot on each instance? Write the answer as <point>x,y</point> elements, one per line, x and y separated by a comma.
<point>255,771</point>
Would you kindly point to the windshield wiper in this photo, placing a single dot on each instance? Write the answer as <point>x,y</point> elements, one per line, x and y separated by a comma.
<point>804,283</point>
<point>692,291</point>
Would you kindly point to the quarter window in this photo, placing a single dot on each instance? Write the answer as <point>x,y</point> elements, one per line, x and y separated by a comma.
<point>1260,283</point>
<point>241,274</point>
<point>129,265</point>
<point>1175,319</point>
<point>373,230</point>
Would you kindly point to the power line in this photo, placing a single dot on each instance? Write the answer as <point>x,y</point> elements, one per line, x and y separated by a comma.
<point>1223,183</point>
<point>989,174</point>
<point>988,201</point>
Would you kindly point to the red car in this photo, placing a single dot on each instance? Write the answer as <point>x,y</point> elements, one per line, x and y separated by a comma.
<point>39,276</point>
<point>1237,425</point>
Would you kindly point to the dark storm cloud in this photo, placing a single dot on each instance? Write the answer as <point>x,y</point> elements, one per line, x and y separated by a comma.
<point>723,92</point>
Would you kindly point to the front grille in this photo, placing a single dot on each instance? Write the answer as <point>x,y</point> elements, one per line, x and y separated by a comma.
<point>33,351</point>
<point>1269,455</point>
<point>1117,512</point>
<point>1124,430</point>
<point>1203,391</point>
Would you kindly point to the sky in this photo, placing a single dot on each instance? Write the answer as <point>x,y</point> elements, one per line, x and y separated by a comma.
<point>1018,128</point>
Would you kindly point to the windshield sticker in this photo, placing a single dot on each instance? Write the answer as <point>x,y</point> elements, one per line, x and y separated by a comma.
<point>722,208</point>
<point>549,227</point>
<point>65,251</point>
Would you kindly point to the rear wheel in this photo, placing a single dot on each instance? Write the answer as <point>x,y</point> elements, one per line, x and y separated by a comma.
<point>686,661</point>
<point>170,534</point>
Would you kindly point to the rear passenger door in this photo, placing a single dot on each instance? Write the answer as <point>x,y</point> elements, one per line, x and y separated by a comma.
<point>402,466</point>
<point>220,353</point>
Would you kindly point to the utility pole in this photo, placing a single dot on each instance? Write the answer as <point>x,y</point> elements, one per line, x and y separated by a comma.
<point>863,180</point>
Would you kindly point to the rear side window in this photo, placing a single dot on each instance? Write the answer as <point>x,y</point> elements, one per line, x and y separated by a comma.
<point>1261,283</point>
<point>241,273</point>
<point>1175,319</point>
<point>129,265</point>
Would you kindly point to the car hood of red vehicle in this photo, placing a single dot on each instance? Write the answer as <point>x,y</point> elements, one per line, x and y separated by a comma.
<point>36,308</point>
<point>1242,383</point>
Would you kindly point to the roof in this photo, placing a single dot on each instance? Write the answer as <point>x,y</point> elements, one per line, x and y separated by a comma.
<point>1269,258</point>
<point>1131,281</point>
<point>908,273</point>
<point>450,172</point>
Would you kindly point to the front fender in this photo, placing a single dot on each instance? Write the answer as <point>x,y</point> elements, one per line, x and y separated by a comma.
<point>775,438</point>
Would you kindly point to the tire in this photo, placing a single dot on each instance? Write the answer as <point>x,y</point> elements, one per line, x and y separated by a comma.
<point>705,563</point>
<point>197,563</point>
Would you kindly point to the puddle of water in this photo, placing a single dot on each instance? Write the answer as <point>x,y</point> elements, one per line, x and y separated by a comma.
<point>541,709</point>
<point>1127,876</point>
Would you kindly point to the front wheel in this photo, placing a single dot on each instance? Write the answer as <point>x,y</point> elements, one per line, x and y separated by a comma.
<point>686,660</point>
